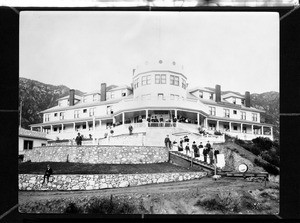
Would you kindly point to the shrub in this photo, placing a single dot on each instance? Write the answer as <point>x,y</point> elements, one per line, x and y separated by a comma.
<point>263,143</point>
<point>218,133</point>
<point>110,206</point>
<point>73,209</point>
<point>267,166</point>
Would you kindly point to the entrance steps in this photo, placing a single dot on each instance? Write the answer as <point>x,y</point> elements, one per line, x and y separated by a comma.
<point>187,160</point>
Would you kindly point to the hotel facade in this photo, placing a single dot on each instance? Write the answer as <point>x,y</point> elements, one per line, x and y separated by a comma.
<point>159,97</point>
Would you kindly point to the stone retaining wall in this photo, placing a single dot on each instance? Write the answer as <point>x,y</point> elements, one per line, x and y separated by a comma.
<point>98,154</point>
<point>101,181</point>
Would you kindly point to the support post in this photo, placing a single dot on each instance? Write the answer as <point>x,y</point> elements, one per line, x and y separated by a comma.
<point>229,126</point>
<point>218,125</point>
<point>51,126</point>
<point>198,119</point>
<point>62,128</point>
<point>252,129</point>
<point>123,118</point>
<point>262,130</point>
<point>241,127</point>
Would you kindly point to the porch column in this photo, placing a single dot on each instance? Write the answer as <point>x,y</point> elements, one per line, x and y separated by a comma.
<point>114,120</point>
<point>252,129</point>
<point>74,126</point>
<point>41,129</point>
<point>31,128</point>
<point>262,130</point>
<point>94,123</point>
<point>241,127</point>
<point>198,119</point>
<point>123,118</point>
<point>218,126</point>
<point>229,126</point>
<point>87,125</point>
<point>175,113</point>
<point>206,123</point>
<point>271,128</point>
<point>147,113</point>
<point>62,128</point>
<point>51,127</point>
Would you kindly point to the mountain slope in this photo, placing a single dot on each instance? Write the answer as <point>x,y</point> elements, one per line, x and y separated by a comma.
<point>269,101</point>
<point>37,96</point>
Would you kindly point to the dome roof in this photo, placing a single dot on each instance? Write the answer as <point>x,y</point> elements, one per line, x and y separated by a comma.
<point>159,64</point>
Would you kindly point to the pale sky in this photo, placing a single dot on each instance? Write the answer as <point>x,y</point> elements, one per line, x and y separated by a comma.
<point>238,50</point>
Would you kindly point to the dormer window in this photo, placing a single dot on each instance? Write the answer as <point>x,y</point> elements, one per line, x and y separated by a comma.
<point>200,94</point>
<point>95,98</point>
<point>211,97</point>
<point>84,110</point>
<point>243,101</point>
<point>55,114</point>
<point>146,80</point>
<point>234,112</point>
<point>160,78</point>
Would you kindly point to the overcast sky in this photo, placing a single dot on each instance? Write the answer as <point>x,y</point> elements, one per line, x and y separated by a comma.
<point>239,51</point>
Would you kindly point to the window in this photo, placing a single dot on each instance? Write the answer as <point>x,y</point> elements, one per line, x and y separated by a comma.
<point>160,78</point>
<point>174,80</point>
<point>43,144</point>
<point>234,112</point>
<point>92,112</point>
<point>84,126</point>
<point>62,115</point>
<point>184,85</point>
<point>28,144</point>
<point>174,97</point>
<point>161,96</point>
<point>211,96</point>
<point>226,113</point>
<point>84,110</point>
<point>243,115</point>
<point>55,114</point>
<point>123,93</point>
<point>200,94</point>
<point>212,110</point>
<point>76,114</point>
<point>108,110</point>
<point>146,80</point>
<point>95,97</point>
<point>235,127</point>
<point>254,117</point>
<point>47,118</point>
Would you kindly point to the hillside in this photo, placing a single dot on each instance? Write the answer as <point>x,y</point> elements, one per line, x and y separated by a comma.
<point>269,101</point>
<point>36,97</point>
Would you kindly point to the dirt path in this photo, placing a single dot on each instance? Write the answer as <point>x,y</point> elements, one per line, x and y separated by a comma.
<point>176,197</point>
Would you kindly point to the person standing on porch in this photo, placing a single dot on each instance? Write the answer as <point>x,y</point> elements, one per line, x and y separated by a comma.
<point>130,128</point>
<point>195,149</point>
<point>211,156</point>
<point>205,151</point>
<point>208,145</point>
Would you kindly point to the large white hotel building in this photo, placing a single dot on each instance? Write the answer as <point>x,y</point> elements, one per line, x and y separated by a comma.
<point>159,89</point>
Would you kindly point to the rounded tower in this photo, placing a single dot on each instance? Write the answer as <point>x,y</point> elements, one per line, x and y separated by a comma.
<point>159,79</point>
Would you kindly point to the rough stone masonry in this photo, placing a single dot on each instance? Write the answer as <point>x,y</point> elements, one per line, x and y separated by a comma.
<point>98,154</point>
<point>101,181</point>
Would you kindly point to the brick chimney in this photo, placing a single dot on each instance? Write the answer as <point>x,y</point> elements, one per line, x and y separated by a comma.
<point>103,92</point>
<point>218,93</point>
<point>247,99</point>
<point>72,97</point>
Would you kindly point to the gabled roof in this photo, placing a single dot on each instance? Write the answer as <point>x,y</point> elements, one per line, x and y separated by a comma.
<point>32,134</point>
<point>91,92</point>
<point>77,97</point>
<point>206,89</point>
<point>229,95</point>
<point>84,105</point>
<point>119,88</point>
